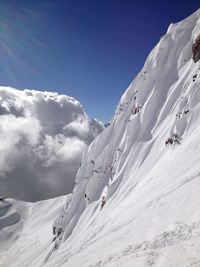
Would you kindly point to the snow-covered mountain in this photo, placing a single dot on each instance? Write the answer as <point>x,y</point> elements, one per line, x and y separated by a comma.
<point>137,195</point>
<point>42,136</point>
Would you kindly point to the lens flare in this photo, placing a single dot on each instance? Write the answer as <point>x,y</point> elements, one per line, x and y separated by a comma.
<point>19,36</point>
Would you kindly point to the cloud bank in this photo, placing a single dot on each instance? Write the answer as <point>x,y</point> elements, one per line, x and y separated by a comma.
<point>42,137</point>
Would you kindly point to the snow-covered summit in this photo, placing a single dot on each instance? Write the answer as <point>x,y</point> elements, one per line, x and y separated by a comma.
<point>136,199</point>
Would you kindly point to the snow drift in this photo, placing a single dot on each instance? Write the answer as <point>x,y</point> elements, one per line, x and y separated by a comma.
<point>136,199</point>
<point>42,137</point>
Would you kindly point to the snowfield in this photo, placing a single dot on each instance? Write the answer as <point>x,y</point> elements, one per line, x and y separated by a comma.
<point>136,202</point>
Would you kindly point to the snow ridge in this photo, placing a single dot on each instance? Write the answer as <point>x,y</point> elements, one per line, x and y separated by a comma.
<point>161,104</point>
<point>136,198</point>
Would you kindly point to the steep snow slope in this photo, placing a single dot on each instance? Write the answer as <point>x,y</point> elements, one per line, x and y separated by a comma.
<point>150,215</point>
<point>26,229</point>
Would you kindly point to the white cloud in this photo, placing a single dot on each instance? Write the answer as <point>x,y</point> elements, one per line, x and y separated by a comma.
<point>42,137</point>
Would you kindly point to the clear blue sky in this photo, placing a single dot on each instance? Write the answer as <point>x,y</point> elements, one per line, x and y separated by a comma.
<point>88,49</point>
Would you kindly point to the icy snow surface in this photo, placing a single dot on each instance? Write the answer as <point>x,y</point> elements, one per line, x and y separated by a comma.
<point>151,212</point>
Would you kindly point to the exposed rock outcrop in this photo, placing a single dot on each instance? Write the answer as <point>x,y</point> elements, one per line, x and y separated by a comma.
<point>196,49</point>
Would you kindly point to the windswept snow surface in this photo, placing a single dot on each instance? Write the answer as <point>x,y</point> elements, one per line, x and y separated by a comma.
<point>26,229</point>
<point>152,191</point>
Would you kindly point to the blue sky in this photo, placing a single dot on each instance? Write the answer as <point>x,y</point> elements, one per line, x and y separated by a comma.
<point>88,49</point>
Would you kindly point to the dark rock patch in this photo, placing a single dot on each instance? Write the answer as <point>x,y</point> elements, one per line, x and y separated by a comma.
<point>196,49</point>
